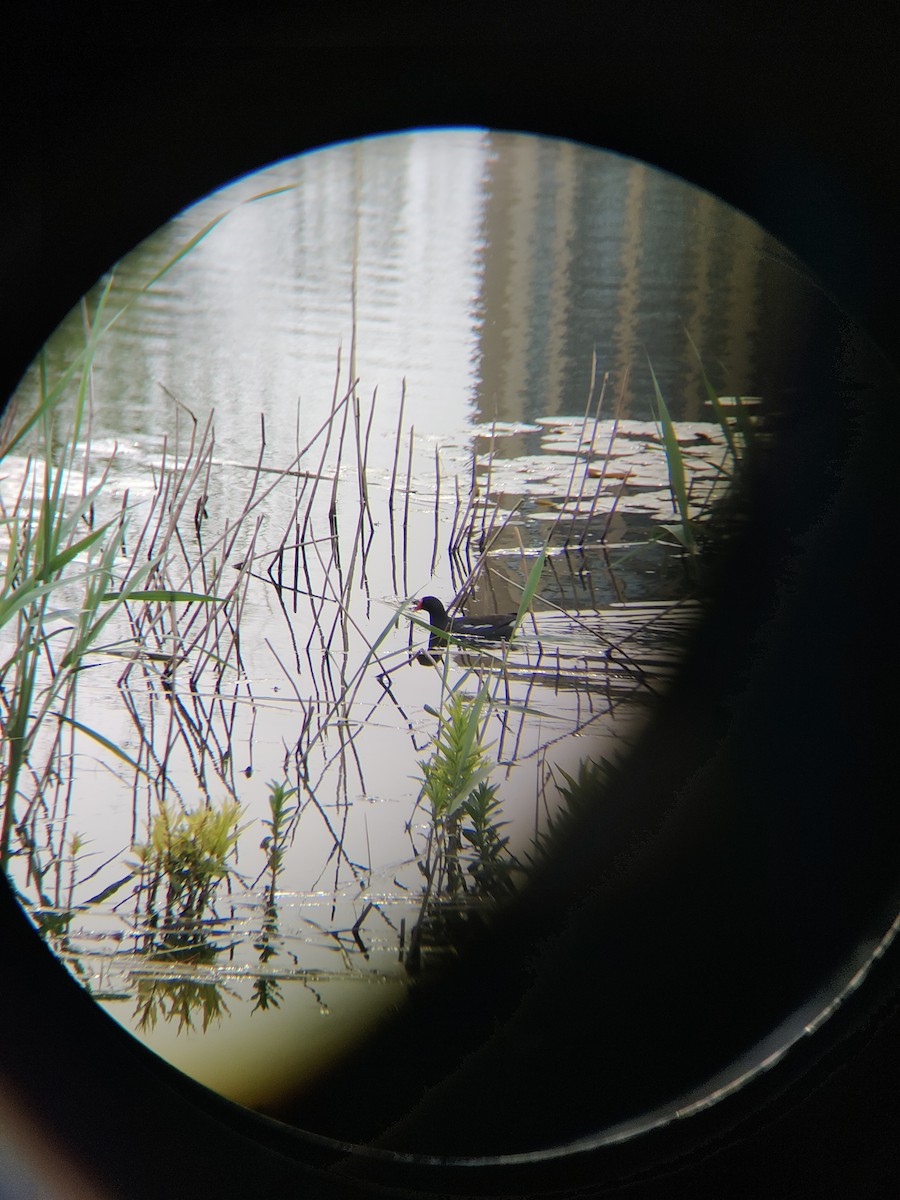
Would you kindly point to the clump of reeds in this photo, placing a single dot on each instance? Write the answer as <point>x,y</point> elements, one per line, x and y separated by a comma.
<point>739,437</point>
<point>58,590</point>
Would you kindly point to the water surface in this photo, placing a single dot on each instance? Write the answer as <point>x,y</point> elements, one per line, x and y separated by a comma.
<point>471,296</point>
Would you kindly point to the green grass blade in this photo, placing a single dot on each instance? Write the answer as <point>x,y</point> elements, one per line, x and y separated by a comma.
<point>106,743</point>
<point>48,400</point>
<point>531,585</point>
<point>161,596</point>
<point>456,801</point>
<point>110,890</point>
<point>276,191</point>
<point>744,422</point>
<point>675,464</point>
<point>472,720</point>
<point>59,560</point>
<point>179,254</point>
<point>713,398</point>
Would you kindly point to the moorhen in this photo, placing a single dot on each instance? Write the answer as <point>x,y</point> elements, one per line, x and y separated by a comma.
<point>491,627</point>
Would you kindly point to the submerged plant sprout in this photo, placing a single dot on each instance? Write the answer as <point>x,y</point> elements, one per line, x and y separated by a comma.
<point>180,624</point>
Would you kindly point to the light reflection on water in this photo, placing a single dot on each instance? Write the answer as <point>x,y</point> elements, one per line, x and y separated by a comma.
<point>484,273</point>
<point>488,268</point>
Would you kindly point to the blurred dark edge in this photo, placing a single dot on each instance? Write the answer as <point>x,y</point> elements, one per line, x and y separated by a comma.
<point>792,117</point>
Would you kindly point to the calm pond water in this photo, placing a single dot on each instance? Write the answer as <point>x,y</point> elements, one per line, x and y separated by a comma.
<point>455,327</point>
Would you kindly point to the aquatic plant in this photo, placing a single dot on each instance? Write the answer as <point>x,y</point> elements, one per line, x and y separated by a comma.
<point>457,764</point>
<point>188,853</point>
<point>280,815</point>
<point>466,861</point>
<point>491,863</point>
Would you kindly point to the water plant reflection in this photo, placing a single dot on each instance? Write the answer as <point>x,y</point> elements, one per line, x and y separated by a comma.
<point>178,1001</point>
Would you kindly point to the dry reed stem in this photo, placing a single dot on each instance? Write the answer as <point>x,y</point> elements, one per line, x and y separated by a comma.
<point>437,507</point>
<point>587,464</point>
<point>412,438</point>
<point>487,485</point>
<point>468,583</point>
<point>397,442</point>
<point>450,540</point>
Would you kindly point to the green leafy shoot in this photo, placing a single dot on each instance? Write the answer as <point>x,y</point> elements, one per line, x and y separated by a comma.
<point>457,764</point>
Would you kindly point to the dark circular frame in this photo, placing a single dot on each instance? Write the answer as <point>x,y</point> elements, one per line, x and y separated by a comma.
<point>780,708</point>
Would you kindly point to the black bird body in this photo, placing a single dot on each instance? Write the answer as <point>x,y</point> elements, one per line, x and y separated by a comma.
<point>490,627</point>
